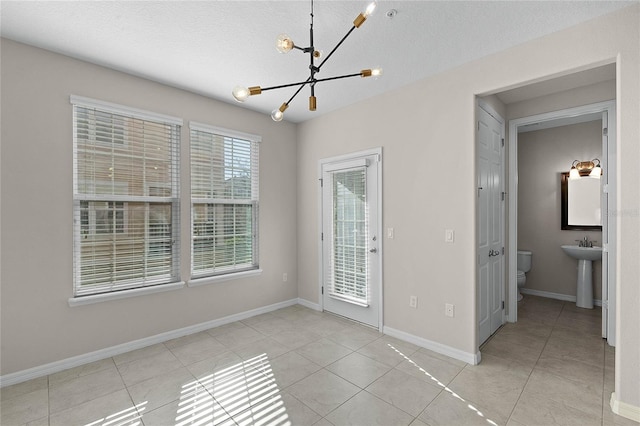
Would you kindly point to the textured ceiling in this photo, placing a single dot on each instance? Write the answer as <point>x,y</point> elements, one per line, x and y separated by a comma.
<point>208,47</point>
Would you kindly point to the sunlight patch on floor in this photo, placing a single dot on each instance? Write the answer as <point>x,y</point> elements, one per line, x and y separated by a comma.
<point>442,385</point>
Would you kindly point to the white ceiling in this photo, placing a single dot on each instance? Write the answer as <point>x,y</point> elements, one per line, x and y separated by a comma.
<point>208,47</point>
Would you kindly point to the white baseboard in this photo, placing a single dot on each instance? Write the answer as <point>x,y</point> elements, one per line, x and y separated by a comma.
<point>57,366</point>
<point>558,296</point>
<point>467,357</point>
<point>310,305</point>
<point>623,409</point>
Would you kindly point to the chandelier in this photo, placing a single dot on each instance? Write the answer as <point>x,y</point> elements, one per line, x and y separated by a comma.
<point>285,44</point>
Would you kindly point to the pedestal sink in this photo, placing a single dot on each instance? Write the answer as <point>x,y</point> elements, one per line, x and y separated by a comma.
<point>585,256</point>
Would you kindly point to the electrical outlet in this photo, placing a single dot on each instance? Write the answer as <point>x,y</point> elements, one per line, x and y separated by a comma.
<point>449,310</point>
<point>285,277</point>
<point>413,301</point>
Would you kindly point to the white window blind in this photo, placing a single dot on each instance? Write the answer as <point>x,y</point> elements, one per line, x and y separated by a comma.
<point>125,198</point>
<point>349,267</point>
<point>224,201</point>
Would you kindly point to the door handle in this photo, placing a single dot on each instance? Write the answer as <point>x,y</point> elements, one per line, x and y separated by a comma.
<point>373,250</point>
<point>493,253</point>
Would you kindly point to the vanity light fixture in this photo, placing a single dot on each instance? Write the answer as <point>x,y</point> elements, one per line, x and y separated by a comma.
<point>585,168</point>
<point>285,44</point>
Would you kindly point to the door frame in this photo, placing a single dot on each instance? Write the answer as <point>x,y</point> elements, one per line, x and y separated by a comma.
<point>347,157</point>
<point>609,152</point>
<point>492,112</point>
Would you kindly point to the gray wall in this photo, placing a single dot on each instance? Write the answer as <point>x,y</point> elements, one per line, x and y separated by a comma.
<point>38,326</point>
<point>542,156</point>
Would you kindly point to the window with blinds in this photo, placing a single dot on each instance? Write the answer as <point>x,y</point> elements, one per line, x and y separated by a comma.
<point>126,219</point>
<point>224,201</point>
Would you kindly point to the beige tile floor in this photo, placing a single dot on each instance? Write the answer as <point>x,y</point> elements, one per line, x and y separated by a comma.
<point>296,366</point>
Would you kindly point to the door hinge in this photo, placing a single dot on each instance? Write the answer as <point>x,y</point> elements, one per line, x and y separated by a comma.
<point>478,126</point>
<point>321,182</point>
<point>605,131</point>
<point>503,195</point>
<point>322,236</point>
<point>503,142</point>
<point>503,305</point>
<point>503,250</point>
<point>322,290</point>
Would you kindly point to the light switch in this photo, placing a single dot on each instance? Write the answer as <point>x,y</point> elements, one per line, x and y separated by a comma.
<point>390,233</point>
<point>448,235</point>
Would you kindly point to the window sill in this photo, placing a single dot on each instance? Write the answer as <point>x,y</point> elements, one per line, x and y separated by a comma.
<point>124,294</point>
<point>221,278</point>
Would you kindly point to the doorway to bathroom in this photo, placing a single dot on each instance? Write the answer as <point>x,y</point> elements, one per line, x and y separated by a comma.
<point>600,117</point>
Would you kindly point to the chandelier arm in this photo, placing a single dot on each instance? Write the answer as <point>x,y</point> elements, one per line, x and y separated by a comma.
<point>282,86</point>
<point>338,77</point>
<point>336,47</point>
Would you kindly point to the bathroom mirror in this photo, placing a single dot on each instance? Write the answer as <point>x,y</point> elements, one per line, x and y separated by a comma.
<point>580,203</point>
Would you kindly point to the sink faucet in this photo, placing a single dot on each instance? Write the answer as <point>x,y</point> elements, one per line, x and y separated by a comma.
<point>585,242</point>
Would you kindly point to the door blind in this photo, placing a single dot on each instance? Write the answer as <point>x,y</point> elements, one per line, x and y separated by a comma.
<point>348,274</point>
<point>125,199</point>
<point>224,209</point>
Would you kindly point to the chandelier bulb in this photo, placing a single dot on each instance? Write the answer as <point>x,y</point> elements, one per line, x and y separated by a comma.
<point>371,7</point>
<point>240,93</point>
<point>284,43</point>
<point>278,113</point>
<point>364,15</point>
<point>375,73</point>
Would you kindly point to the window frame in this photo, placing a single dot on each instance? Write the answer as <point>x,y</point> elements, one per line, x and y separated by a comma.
<point>131,286</point>
<point>225,274</point>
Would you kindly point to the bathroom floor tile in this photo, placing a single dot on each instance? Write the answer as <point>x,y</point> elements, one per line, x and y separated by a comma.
<point>201,410</point>
<point>23,388</point>
<point>495,391</point>
<point>387,351</point>
<point>116,405</point>
<point>280,409</point>
<point>404,391</point>
<point>365,409</point>
<point>85,388</point>
<point>323,391</point>
<point>358,369</point>
<point>430,369</point>
<point>576,395</point>
<point>295,338</point>
<point>451,409</point>
<point>324,352</point>
<point>289,369</point>
<point>145,368</point>
<point>160,390</point>
<point>535,410</point>
<point>355,337</point>
<point>25,407</point>
<point>239,337</point>
<point>303,367</point>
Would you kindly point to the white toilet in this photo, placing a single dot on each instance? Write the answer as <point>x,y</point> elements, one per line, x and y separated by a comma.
<point>524,266</point>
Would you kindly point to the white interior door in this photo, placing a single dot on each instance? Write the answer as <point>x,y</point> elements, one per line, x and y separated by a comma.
<point>608,228</point>
<point>490,296</point>
<point>351,242</point>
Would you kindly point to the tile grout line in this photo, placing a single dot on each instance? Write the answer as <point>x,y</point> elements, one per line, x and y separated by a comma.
<point>534,366</point>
